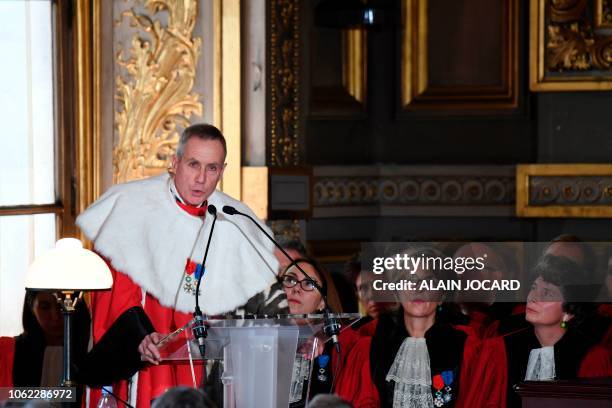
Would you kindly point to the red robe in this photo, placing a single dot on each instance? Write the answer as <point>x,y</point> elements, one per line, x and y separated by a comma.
<point>356,382</point>
<point>496,321</point>
<point>107,306</point>
<point>150,242</point>
<point>7,355</point>
<point>502,363</point>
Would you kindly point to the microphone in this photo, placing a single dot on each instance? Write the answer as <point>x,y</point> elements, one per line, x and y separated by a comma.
<point>200,329</point>
<point>331,327</point>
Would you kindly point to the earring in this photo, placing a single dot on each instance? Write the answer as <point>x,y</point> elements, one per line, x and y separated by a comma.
<point>440,308</point>
<point>564,323</point>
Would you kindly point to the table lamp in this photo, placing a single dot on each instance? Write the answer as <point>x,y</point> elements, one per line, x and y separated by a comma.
<point>66,270</point>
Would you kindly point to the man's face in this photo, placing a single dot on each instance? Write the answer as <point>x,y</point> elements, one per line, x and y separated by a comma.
<point>199,170</point>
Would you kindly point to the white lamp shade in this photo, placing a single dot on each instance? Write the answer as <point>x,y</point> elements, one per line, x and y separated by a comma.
<point>68,266</point>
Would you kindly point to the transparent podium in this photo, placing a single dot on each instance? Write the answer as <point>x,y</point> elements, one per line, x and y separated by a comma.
<point>264,360</point>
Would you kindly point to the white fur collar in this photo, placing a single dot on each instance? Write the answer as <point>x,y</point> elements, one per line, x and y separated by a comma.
<point>140,228</point>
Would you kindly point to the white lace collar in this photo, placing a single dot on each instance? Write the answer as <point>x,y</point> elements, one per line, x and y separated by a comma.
<point>541,365</point>
<point>412,375</point>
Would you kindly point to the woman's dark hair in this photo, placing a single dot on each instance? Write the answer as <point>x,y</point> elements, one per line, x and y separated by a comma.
<point>589,259</point>
<point>31,327</point>
<point>30,345</point>
<point>327,284</point>
<point>569,277</point>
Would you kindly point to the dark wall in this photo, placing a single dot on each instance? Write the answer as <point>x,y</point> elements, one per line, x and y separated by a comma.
<point>547,127</point>
<point>388,135</point>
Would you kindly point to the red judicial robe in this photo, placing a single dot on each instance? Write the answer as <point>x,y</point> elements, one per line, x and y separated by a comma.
<point>362,379</point>
<point>152,243</point>
<point>152,381</point>
<point>349,337</point>
<point>7,356</point>
<point>502,363</point>
<point>108,306</point>
<point>496,320</point>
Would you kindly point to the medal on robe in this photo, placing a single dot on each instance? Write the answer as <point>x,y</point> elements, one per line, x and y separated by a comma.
<point>442,383</point>
<point>438,384</point>
<point>323,360</point>
<point>448,378</point>
<point>193,271</point>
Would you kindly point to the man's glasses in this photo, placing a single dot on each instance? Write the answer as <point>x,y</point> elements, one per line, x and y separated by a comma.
<point>308,285</point>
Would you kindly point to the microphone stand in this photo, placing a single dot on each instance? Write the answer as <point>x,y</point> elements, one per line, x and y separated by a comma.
<point>331,327</point>
<point>200,329</point>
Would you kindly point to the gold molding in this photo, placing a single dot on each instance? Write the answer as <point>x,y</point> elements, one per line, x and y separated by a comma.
<point>154,88</point>
<point>87,140</point>
<point>354,63</point>
<point>418,94</point>
<point>567,47</point>
<point>346,98</point>
<point>97,99</point>
<point>525,209</point>
<point>284,83</point>
<point>603,14</point>
<point>229,96</point>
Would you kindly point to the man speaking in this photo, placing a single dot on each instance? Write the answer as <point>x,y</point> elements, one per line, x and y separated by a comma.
<point>153,234</point>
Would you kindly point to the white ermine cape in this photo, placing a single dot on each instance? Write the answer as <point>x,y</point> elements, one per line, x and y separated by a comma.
<point>141,229</point>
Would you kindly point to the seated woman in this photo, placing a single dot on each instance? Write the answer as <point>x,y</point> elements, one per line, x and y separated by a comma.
<point>34,358</point>
<point>304,298</point>
<point>551,348</point>
<point>414,358</point>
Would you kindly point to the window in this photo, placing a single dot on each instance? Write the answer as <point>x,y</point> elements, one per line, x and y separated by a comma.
<point>33,169</point>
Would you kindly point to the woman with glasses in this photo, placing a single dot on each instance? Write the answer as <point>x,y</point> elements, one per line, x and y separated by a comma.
<point>551,348</point>
<point>306,295</point>
<point>415,358</point>
<point>305,292</point>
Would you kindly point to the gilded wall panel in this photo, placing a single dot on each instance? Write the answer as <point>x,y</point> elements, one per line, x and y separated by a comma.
<point>155,76</point>
<point>284,83</point>
<point>570,45</point>
<point>564,190</point>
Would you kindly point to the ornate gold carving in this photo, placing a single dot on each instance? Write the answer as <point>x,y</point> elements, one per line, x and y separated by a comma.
<point>572,43</point>
<point>564,11</point>
<point>568,48</point>
<point>566,42</point>
<point>284,83</point>
<point>155,90</point>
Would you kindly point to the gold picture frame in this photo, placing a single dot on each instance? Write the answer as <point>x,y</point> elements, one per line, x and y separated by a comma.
<point>567,52</point>
<point>564,190</point>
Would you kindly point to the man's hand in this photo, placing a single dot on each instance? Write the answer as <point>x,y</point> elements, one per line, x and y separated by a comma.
<point>148,348</point>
